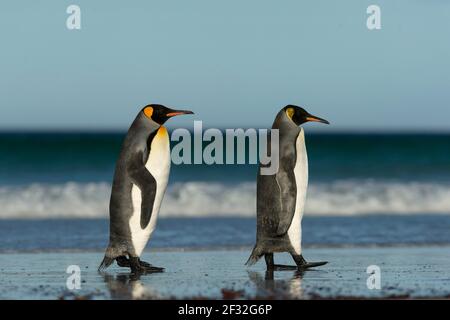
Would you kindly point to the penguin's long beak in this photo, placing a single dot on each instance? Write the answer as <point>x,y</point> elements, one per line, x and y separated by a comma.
<point>312,118</point>
<point>178,113</point>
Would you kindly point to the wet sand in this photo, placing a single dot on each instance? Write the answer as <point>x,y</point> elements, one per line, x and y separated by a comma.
<point>406,272</point>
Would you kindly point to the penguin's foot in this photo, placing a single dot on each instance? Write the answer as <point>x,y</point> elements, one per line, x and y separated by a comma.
<point>137,265</point>
<point>271,266</point>
<point>302,264</point>
<point>282,267</point>
<point>123,261</point>
<point>149,267</point>
<point>312,265</point>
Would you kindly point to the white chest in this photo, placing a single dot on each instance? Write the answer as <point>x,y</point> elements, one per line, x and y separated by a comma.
<point>158,164</point>
<point>301,180</point>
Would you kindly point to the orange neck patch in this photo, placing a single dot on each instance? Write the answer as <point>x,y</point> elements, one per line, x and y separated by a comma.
<point>162,130</point>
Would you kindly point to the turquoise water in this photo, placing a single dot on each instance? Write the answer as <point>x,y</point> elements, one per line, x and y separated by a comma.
<point>364,189</point>
<point>68,175</point>
<point>55,175</point>
<point>90,157</point>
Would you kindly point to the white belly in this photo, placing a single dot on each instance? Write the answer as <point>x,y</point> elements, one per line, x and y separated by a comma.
<point>301,179</point>
<point>158,164</point>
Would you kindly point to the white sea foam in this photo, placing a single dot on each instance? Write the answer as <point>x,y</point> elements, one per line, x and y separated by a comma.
<point>201,199</point>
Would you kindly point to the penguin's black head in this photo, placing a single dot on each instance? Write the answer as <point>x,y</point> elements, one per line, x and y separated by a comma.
<point>160,114</point>
<point>299,115</point>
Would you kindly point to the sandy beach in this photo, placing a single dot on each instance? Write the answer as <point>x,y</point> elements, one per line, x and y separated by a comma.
<point>406,272</point>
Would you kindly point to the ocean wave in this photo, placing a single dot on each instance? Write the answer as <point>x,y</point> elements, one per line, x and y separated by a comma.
<point>201,199</point>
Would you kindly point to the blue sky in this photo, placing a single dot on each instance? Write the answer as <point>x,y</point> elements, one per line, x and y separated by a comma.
<point>234,63</point>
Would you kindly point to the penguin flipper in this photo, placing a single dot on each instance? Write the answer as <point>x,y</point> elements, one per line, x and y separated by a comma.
<point>288,195</point>
<point>141,177</point>
<point>148,199</point>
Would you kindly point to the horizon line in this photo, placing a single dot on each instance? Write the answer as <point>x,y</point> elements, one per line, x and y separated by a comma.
<point>310,130</point>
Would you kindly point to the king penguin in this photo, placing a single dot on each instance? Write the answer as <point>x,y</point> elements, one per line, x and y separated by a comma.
<point>140,180</point>
<point>281,196</point>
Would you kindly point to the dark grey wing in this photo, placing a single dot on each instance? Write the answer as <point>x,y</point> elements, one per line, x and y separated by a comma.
<point>276,198</point>
<point>276,202</point>
<point>288,196</point>
<point>141,177</point>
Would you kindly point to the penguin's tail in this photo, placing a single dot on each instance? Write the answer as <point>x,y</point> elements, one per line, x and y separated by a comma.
<point>107,261</point>
<point>110,256</point>
<point>257,253</point>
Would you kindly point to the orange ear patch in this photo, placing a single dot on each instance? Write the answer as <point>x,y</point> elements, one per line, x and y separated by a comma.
<point>148,111</point>
<point>290,112</point>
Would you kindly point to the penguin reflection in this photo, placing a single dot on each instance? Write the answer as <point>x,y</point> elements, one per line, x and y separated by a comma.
<point>281,196</point>
<point>140,180</point>
<point>268,286</point>
<point>126,286</point>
